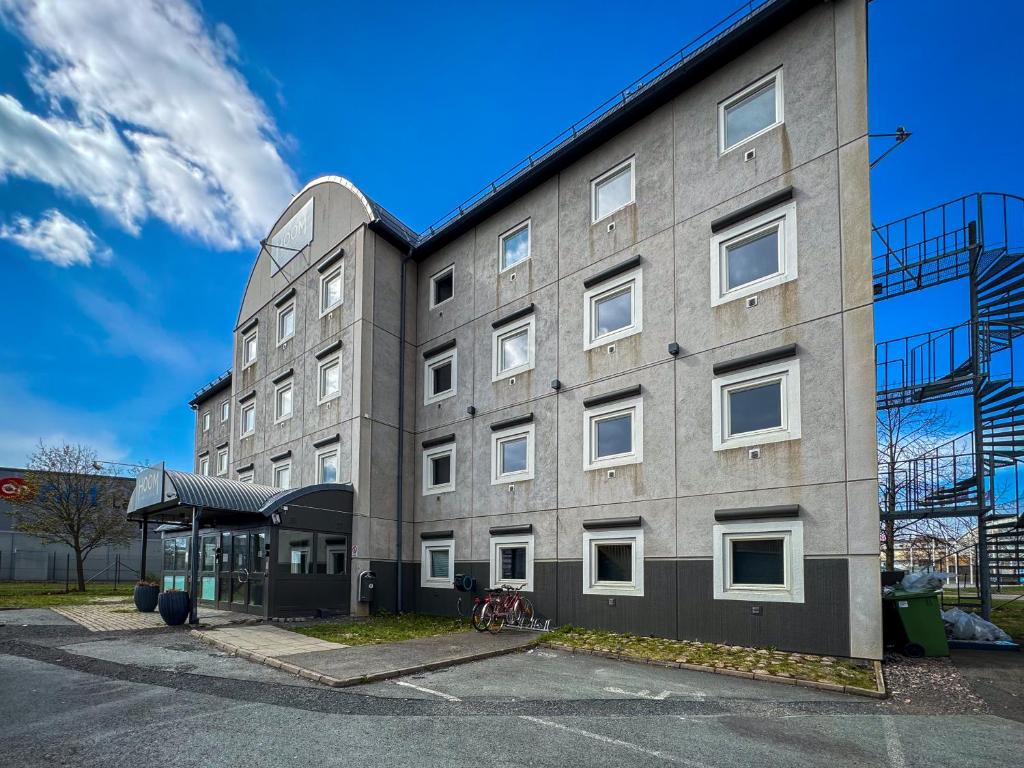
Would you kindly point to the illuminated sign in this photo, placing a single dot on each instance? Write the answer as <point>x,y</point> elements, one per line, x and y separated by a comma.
<point>291,238</point>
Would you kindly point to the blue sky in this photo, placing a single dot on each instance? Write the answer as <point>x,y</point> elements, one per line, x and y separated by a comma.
<point>144,152</point>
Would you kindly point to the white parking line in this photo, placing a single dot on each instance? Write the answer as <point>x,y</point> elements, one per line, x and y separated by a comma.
<point>893,746</point>
<point>616,742</point>
<point>431,691</point>
<point>641,694</point>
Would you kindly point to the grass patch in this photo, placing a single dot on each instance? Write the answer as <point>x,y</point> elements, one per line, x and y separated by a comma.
<point>1009,617</point>
<point>46,594</point>
<point>802,666</point>
<point>382,628</point>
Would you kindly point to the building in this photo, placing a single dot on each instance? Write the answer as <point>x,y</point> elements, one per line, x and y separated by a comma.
<point>633,377</point>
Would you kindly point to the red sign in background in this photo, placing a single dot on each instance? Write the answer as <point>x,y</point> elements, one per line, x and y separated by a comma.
<point>12,487</point>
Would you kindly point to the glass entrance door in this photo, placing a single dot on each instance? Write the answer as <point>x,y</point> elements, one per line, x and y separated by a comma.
<point>241,570</point>
<point>208,567</point>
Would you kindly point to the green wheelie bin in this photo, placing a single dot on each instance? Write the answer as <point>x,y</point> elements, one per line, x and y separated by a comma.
<point>913,623</point>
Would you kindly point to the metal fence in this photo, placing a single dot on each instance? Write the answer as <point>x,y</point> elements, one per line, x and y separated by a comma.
<point>25,558</point>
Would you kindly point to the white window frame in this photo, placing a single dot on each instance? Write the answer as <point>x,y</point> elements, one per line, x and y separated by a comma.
<point>323,454</point>
<point>255,337</point>
<point>632,536</point>
<point>428,545</point>
<point>246,477</point>
<point>332,549</point>
<point>739,96</point>
<point>430,453</point>
<point>633,278</point>
<point>241,419</point>
<point>222,461</point>
<point>428,380</point>
<point>450,269</point>
<point>290,306</point>
<point>506,235</point>
<point>792,534</point>
<point>204,465</point>
<point>338,273</point>
<point>225,410</point>
<point>788,371</point>
<point>278,416</point>
<point>503,436</point>
<point>280,466</point>
<point>782,218</point>
<point>499,334</point>
<point>507,542</point>
<point>205,419</point>
<point>600,412</point>
<point>322,398</point>
<point>598,180</point>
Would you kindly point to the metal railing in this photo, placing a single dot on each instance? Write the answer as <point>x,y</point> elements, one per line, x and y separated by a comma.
<point>926,366</point>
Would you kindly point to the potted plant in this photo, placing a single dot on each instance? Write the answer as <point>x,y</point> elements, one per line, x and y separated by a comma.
<point>146,593</point>
<point>174,606</point>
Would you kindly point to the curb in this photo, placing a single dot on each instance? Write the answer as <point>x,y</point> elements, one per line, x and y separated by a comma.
<point>345,682</point>
<point>853,690</point>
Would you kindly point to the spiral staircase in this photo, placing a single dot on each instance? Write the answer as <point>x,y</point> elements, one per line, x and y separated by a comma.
<point>978,238</point>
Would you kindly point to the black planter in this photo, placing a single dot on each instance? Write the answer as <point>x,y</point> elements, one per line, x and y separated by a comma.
<point>173,607</point>
<point>146,596</point>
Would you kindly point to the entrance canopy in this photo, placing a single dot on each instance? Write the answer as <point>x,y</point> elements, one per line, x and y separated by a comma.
<point>168,496</point>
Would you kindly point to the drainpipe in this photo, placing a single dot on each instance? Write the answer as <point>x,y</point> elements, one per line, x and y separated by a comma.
<point>399,471</point>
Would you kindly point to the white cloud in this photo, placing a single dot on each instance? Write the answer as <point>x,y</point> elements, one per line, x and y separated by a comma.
<point>147,117</point>
<point>55,238</point>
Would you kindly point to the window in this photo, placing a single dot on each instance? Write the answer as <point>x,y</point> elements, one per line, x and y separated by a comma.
<point>512,561</point>
<point>283,402</point>
<point>756,254</point>
<point>612,191</point>
<point>613,562</point>
<point>442,286</point>
<point>294,552</point>
<point>327,466</point>
<point>439,469</point>
<point>513,349</point>
<point>283,475</point>
<point>331,555</point>
<point>225,410</point>
<point>756,406</point>
<point>206,421</point>
<point>330,379</point>
<point>249,347</point>
<point>331,294</point>
<point>204,465</point>
<point>222,461</point>
<point>437,561</point>
<point>245,477</point>
<point>759,560</point>
<point>248,419</point>
<point>751,112</point>
<point>285,323</point>
<point>439,374</point>
<point>613,310</point>
<point>514,246</point>
<point>512,454</point>
<point>613,434</point>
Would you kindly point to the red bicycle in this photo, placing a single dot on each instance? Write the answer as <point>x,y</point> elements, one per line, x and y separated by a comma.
<point>500,606</point>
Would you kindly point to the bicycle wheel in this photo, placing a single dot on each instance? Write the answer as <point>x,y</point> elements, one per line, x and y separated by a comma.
<point>481,616</point>
<point>523,611</point>
<point>496,618</point>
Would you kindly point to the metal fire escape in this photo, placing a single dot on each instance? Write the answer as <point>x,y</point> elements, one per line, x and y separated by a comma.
<point>978,238</point>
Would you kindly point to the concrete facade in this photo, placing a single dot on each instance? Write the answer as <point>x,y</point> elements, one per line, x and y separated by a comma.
<point>816,157</point>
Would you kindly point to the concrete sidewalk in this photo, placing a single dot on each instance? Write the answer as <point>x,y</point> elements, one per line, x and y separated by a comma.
<point>339,666</point>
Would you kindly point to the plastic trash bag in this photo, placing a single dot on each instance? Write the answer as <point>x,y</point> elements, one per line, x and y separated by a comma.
<point>923,581</point>
<point>968,626</point>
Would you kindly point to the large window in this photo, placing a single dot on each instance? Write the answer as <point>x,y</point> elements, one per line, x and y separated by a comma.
<point>759,560</point>
<point>756,406</point>
<point>613,190</point>
<point>753,255</point>
<point>331,555</point>
<point>512,561</point>
<point>613,310</point>
<point>513,349</point>
<point>437,563</point>
<point>295,552</point>
<point>442,286</point>
<point>512,454</point>
<point>249,347</point>
<point>439,377</point>
<point>514,246</point>
<point>613,434</point>
<point>327,466</point>
<point>248,420</point>
<point>331,294</point>
<point>751,112</point>
<point>613,562</point>
<point>329,378</point>
<point>439,469</point>
<point>285,322</point>
<point>283,475</point>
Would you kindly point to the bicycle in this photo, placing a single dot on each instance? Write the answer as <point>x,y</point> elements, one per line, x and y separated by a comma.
<point>500,606</point>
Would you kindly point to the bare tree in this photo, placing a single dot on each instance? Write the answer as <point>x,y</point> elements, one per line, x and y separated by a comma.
<point>904,434</point>
<point>68,500</point>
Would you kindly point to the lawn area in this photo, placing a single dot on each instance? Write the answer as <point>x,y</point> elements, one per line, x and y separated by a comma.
<point>44,594</point>
<point>802,666</point>
<point>1009,617</point>
<point>383,628</point>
